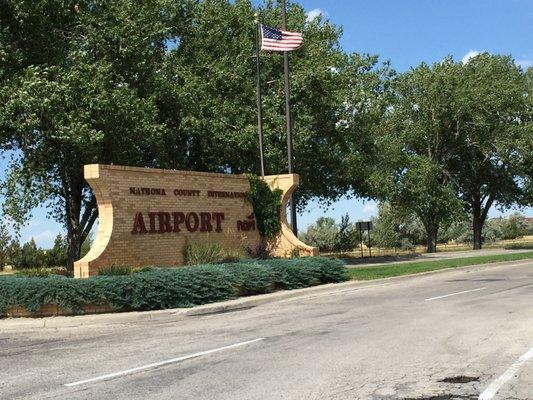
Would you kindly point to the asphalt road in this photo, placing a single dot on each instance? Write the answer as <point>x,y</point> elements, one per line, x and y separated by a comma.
<point>393,339</point>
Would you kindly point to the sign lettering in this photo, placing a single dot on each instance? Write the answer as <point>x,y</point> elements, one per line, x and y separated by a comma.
<point>172,222</point>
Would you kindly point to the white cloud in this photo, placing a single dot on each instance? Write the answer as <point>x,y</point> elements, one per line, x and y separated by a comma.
<point>317,12</point>
<point>370,208</point>
<point>468,56</point>
<point>525,64</point>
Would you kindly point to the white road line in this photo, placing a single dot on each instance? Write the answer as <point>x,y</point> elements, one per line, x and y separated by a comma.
<point>497,384</point>
<point>160,364</point>
<point>455,294</point>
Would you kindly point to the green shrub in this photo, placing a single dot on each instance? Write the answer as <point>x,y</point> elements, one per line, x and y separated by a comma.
<point>202,253</point>
<point>261,251</point>
<point>211,253</point>
<point>267,206</point>
<point>163,288</point>
<point>234,254</point>
<point>115,270</point>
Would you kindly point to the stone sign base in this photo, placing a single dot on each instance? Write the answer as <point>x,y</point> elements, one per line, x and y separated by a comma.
<point>148,216</point>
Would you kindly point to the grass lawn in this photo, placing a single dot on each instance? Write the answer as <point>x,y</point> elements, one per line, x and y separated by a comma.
<point>398,269</point>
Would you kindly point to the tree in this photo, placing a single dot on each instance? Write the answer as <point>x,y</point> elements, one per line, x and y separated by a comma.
<point>410,149</point>
<point>386,232</point>
<point>57,255</point>
<point>491,131</point>
<point>395,229</point>
<point>168,84</point>
<point>457,136</point>
<point>347,237</point>
<point>461,231</point>
<point>30,256</point>
<point>79,84</point>
<point>14,253</point>
<point>514,226</point>
<point>492,230</point>
<point>215,76</point>
<point>322,234</point>
<point>5,239</point>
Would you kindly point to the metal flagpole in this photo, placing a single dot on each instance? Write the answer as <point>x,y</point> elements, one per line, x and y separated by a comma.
<point>288,117</point>
<point>259,99</point>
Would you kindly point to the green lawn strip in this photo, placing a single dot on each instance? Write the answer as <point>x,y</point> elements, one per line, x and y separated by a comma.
<point>398,269</point>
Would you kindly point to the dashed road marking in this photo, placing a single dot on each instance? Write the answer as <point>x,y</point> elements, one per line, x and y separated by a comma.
<point>455,294</point>
<point>159,364</point>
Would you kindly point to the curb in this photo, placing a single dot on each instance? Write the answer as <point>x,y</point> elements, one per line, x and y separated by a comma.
<point>239,304</point>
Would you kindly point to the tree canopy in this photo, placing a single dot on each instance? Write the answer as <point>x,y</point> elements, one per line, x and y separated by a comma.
<point>163,83</point>
<point>456,138</point>
<point>170,83</point>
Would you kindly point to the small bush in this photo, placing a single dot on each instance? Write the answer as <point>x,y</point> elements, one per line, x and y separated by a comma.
<point>211,253</point>
<point>202,253</point>
<point>261,251</point>
<point>163,288</point>
<point>233,255</point>
<point>115,270</point>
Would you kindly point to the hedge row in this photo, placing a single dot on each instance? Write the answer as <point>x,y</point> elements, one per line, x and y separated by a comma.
<point>163,288</point>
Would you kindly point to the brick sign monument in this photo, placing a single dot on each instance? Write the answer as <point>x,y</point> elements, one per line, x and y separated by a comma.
<point>147,216</point>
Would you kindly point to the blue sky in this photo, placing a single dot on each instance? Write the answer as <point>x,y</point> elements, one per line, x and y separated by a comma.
<point>406,33</point>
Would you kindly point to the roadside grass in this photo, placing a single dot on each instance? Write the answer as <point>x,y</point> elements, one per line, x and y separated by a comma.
<point>398,269</point>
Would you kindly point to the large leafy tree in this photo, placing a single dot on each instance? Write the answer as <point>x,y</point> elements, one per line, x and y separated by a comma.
<point>166,83</point>
<point>456,137</point>
<point>411,148</point>
<point>79,84</point>
<point>213,73</point>
<point>491,135</point>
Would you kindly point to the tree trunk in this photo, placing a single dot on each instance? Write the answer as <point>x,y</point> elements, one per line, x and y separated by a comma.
<point>79,217</point>
<point>478,237</point>
<point>431,239</point>
<point>73,200</point>
<point>479,216</point>
<point>74,249</point>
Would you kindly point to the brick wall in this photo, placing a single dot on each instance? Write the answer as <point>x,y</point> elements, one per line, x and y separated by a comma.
<point>123,192</point>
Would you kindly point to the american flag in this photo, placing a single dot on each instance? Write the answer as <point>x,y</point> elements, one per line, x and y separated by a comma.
<point>277,40</point>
